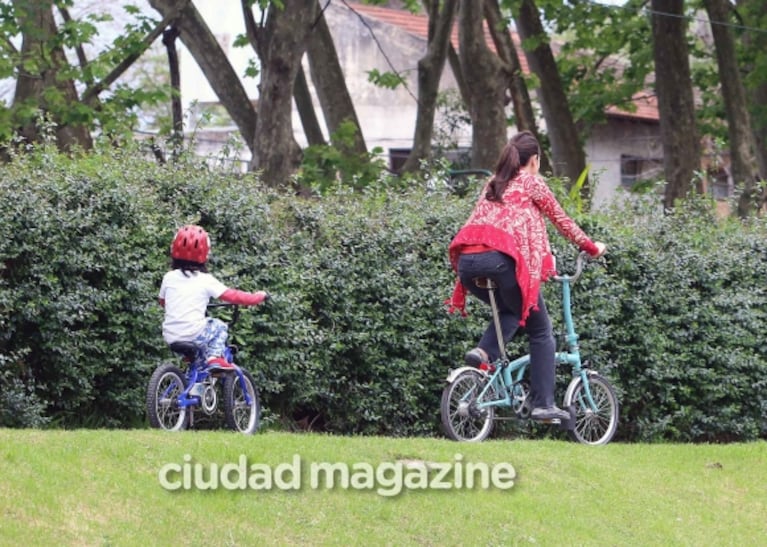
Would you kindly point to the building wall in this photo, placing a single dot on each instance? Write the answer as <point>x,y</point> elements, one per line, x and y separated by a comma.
<point>387,116</point>
<point>607,143</point>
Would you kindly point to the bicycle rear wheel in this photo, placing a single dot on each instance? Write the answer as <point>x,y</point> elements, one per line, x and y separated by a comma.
<point>241,416</point>
<point>461,419</point>
<point>598,425</point>
<point>165,386</point>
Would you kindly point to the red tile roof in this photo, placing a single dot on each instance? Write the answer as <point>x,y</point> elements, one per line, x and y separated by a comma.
<point>646,104</point>
<point>418,25</point>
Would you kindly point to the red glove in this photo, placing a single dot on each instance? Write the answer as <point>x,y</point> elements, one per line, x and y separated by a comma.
<point>242,298</point>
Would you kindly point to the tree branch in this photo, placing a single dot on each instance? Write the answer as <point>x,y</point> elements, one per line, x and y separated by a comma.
<point>93,91</point>
<point>81,58</point>
<point>253,30</point>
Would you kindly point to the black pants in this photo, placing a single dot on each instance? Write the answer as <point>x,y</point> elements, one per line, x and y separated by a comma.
<point>501,269</point>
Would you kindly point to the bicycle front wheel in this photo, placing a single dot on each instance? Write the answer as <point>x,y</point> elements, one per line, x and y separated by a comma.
<point>165,386</point>
<point>461,419</point>
<point>593,425</point>
<point>240,415</point>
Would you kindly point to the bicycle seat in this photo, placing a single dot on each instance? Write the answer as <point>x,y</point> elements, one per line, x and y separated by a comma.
<point>187,349</point>
<point>485,283</point>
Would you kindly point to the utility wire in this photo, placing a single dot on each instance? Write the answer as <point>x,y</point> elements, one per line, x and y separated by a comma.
<point>381,49</point>
<point>650,11</point>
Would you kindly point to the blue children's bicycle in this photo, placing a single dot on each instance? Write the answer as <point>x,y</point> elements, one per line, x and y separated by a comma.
<point>472,395</point>
<point>173,395</point>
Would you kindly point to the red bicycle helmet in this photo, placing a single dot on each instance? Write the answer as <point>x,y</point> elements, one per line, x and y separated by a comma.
<point>191,243</point>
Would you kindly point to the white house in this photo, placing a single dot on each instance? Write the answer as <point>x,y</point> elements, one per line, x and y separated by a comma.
<point>623,150</point>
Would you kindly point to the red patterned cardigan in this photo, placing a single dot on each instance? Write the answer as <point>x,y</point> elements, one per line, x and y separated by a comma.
<point>517,227</point>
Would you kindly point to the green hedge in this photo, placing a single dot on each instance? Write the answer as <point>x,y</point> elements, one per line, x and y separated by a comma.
<point>356,338</point>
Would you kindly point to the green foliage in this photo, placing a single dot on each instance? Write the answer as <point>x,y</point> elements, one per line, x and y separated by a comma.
<point>388,80</point>
<point>676,319</point>
<point>19,404</point>
<point>605,56</point>
<point>356,338</point>
<point>76,250</point>
<point>117,112</point>
<point>336,165</point>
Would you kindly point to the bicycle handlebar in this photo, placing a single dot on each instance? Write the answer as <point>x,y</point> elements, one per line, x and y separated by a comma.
<point>235,313</point>
<point>583,256</point>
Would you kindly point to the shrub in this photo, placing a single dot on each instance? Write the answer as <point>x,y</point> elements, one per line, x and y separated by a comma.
<point>356,338</point>
<point>681,313</point>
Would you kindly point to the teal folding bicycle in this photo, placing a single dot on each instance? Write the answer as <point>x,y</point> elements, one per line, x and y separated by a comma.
<point>472,395</point>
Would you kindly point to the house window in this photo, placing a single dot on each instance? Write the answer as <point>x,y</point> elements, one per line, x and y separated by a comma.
<point>721,186</point>
<point>638,172</point>
<point>397,158</point>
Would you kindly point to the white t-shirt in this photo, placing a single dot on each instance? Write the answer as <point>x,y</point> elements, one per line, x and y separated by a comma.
<point>186,298</point>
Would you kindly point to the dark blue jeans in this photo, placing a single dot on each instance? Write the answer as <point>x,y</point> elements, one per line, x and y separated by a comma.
<point>502,270</point>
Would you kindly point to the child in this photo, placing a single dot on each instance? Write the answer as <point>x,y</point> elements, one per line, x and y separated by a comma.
<point>186,291</point>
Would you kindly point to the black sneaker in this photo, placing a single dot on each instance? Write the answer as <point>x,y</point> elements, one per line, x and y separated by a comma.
<point>475,357</point>
<point>549,413</point>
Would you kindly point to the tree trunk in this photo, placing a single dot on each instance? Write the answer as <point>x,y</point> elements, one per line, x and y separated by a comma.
<point>743,161</point>
<point>330,84</point>
<point>430,68</point>
<point>455,67</point>
<point>169,41</point>
<point>758,96</point>
<point>679,131</point>
<point>754,43</point>
<point>211,59</point>
<point>306,112</point>
<point>568,158</point>
<point>485,84</point>
<point>524,117</point>
<point>287,31</point>
<point>39,43</point>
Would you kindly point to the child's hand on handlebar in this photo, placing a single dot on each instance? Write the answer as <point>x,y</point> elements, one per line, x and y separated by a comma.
<point>602,248</point>
<point>242,298</point>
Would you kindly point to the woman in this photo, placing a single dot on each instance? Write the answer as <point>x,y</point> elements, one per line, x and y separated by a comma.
<point>505,240</point>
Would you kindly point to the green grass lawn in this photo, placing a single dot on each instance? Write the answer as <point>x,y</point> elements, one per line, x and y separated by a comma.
<point>102,488</point>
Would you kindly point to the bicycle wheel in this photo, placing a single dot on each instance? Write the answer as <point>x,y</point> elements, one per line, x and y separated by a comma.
<point>239,415</point>
<point>461,419</point>
<point>165,386</point>
<point>598,426</point>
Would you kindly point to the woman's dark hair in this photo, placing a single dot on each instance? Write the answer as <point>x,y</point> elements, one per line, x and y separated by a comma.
<point>187,266</point>
<point>520,148</point>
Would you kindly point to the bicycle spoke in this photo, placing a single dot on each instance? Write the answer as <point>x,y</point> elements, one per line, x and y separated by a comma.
<point>461,418</point>
<point>595,424</point>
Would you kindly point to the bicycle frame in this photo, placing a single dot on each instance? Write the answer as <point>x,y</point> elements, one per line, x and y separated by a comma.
<point>505,374</point>
<point>197,373</point>
<point>473,393</point>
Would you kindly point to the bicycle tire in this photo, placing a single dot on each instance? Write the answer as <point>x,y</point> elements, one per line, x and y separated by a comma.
<point>165,386</point>
<point>240,416</point>
<point>461,420</point>
<point>593,428</point>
